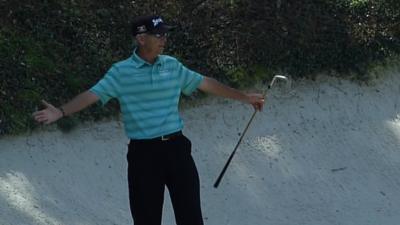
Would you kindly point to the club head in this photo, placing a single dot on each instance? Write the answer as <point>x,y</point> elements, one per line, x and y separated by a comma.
<point>282,86</point>
<point>278,77</point>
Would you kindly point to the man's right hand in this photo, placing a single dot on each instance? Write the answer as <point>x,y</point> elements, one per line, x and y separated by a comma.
<point>47,115</point>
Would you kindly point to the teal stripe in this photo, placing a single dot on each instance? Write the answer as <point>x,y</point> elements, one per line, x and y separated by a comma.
<point>150,120</point>
<point>168,126</point>
<point>110,84</point>
<point>185,79</point>
<point>145,117</point>
<point>149,107</point>
<point>143,76</point>
<point>125,66</point>
<point>156,130</point>
<point>146,78</point>
<point>144,89</point>
<point>167,121</point>
<point>154,96</point>
<point>168,97</point>
<point>103,89</point>
<point>148,94</point>
<point>111,80</point>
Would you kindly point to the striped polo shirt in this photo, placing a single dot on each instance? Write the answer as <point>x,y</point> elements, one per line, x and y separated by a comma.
<point>148,93</point>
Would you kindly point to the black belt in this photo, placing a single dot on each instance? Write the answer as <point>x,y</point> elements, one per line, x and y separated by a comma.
<point>162,138</point>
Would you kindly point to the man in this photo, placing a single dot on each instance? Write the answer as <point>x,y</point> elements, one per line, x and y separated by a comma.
<point>148,87</point>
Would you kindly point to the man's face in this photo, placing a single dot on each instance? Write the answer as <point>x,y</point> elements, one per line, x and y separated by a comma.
<point>154,43</point>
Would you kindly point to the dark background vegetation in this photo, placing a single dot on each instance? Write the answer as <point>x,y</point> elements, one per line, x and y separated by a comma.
<point>55,49</point>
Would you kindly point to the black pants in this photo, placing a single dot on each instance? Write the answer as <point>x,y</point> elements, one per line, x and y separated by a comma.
<point>152,165</point>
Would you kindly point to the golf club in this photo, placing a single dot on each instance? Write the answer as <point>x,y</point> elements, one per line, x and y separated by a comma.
<point>279,77</point>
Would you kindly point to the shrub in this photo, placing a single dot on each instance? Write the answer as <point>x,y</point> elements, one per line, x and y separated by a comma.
<point>55,49</point>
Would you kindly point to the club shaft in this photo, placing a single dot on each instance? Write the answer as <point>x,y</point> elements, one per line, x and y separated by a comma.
<point>216,184</point>
<point>221,175</point>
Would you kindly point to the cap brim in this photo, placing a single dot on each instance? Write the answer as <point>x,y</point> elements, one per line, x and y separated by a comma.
<point>162,29</point>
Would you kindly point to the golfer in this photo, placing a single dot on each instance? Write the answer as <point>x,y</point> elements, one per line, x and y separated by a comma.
<point>148,86</point>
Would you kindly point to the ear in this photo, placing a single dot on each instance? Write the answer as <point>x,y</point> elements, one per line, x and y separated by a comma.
<point>140,39</point>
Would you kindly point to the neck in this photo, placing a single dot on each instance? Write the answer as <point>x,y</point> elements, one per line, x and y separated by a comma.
<point>146,55</point>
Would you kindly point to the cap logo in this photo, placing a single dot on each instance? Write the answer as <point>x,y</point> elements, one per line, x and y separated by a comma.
<point>141,29</point>
<point>157,21</point>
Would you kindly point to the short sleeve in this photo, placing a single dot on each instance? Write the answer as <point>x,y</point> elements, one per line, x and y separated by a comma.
<point>189,80</point>
<point>107,87</point>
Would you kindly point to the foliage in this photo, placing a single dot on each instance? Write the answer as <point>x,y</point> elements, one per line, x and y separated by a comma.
<point>55,49</point>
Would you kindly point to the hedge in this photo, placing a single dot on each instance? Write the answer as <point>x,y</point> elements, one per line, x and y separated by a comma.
<point>56,49</point>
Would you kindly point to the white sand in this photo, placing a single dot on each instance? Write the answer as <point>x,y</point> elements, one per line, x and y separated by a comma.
<point>327,155</point>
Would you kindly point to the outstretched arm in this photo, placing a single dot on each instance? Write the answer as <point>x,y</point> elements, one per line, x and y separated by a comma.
<point>212,86</point>
<point>51,113</point>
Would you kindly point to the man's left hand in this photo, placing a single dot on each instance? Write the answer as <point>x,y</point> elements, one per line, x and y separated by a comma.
<point>256,100</point>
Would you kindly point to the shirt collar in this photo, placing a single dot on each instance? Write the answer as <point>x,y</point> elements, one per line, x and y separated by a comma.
<point>139,62</point>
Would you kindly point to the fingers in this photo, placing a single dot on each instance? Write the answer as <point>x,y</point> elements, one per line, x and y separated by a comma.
<point>40,116</point>
<point>262,103</point>
<point>42,120</point>
<point>43,116</point>
<point>258,102</point>
<point>37,114</point>
<point>48,105</point>
<point>258,106</point>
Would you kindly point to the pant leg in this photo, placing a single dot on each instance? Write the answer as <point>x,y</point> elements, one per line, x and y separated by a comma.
<point>183,184</point>
<point>146,183</point>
